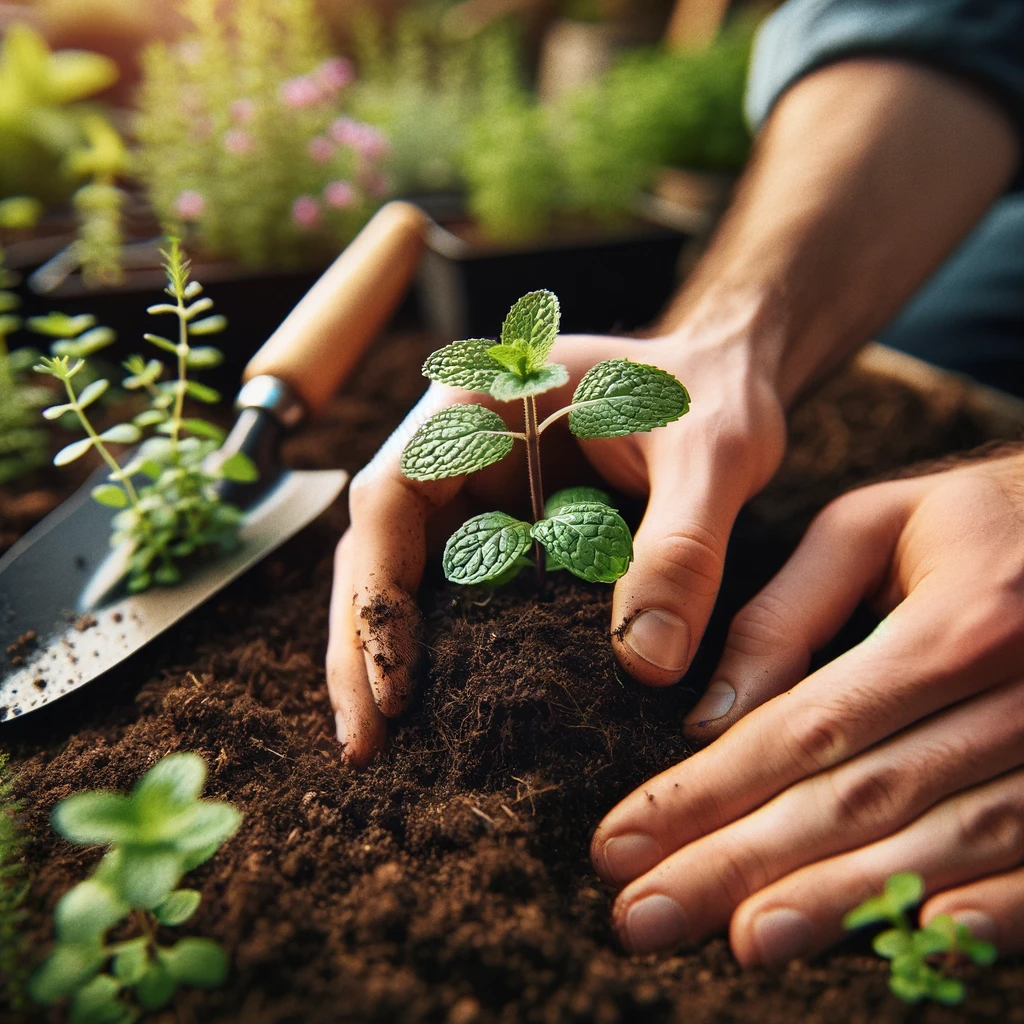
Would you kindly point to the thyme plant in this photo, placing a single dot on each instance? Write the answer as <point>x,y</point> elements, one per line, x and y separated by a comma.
<point>913,951</point>
<point>154,836</point>
<point>577,528</point>
<point>179,512</point>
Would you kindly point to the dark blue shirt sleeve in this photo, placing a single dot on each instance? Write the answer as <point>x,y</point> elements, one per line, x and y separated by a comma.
<point>980,41</point>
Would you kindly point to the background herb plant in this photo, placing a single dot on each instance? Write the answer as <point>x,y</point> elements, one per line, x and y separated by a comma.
<point>576,527</point>
<point>154,836</point>
<point>913,951</point>
<point>179,512</point>
<point>14,970</point>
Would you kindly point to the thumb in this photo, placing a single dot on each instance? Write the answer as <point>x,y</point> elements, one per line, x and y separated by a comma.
<point>662,605</point>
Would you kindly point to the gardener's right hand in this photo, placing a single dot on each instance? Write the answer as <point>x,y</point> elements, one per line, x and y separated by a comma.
<point>697,472</point>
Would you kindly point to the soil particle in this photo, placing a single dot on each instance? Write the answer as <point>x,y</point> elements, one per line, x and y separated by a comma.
<point>449,881</point>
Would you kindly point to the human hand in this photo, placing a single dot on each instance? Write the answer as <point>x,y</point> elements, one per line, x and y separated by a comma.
<point>697,471</point>
<point>904,754</point>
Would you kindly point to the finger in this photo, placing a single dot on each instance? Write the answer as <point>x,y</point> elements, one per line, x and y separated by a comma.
<point>928,654</point>
<point>965,838</point>
<point>360,726</point>
<point>859,802</point>
<point>661,607</point>
<point>993,909</point>
<point>843,556</point>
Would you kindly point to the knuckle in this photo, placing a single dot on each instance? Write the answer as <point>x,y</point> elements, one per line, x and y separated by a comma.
<point>691,558</point>
<point>992,825</point>
<point>868,798</point>
<point>763,627</point>
<point>814,738</point>
<point>740,872</point>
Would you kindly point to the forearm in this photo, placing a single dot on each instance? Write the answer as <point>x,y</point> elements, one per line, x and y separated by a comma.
<point>865,177</point>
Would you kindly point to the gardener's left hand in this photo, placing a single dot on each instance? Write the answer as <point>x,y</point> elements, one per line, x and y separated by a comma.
<point>904,754</point>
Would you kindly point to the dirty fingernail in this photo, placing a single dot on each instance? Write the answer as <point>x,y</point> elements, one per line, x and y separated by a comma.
<point>654,922</point>
<point>781,935</point>
<point>628,856</point>
<point>339,724</point>
<point>659,638</point>
<point>981,925</point>
<point>716,702</point>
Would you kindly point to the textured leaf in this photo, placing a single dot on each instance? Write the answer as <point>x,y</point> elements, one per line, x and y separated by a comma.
<point>132,961</point>
<point>92,391</point>
<point>459,439</point>
<point>619,397</point>
<point>199,962</point>
<point>589,539</point>
<point>892,943</point>
<point>485,547</point>
<point>463,364</point>
<point>239,468</point>
<point>173,783</point>
<point>517,357</point>
<point>509,386</point>
<point>85,912</point>
<point>904,890</point>
<point>148,875</point>
<point>178,907</point>
<point>123,433</point>
<point>573,496</point>
<point>534,320</point>
<point>65,969</point>
<point>95,818</point>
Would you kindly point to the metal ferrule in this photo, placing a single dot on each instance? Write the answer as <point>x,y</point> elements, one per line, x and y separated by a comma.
<point>272,395</point>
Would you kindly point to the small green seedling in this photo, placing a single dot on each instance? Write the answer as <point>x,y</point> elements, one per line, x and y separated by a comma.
<point>580,531</point>
<point>911,950</point>
<point>155,835</point>
<point>179,513</point>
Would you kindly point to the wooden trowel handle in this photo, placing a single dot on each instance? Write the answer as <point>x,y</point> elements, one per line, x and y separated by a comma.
<point>324,336</point>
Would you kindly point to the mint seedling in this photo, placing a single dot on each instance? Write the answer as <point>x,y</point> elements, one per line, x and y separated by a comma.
<point>155,835</point>
<point>179,513</point>
<point>577,528</point>
<point>913,950</point>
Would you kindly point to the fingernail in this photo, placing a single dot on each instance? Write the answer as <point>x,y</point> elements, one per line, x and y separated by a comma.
<point>781,935</point>
<point>981,925</point>
<point>718,698</point>
<point>628,856</point>
<point>654,922</point>
<point>660,638</point>
<point>339,725</point>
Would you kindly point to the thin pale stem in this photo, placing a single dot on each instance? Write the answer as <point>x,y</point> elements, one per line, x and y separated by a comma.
<point>536,483</point>
<point>99,445</point>
<point>179,398</point>
<point>557,415</point>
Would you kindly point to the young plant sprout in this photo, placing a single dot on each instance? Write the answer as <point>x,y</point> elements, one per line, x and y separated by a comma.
<point>913,950</point>
<point>155,836</point>
<point>577,527</point>
<point>179,512</point>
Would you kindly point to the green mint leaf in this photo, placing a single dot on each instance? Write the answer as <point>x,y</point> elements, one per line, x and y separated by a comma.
<point>573,496</point>
<point>110,495</point>
<point>96,818</point>
<point>85,912</point>
<point>209,325</point>
<point>205,357</point>
<point>209,824</point>
<point>619,397</point>
<point>131,961</point>
<point>871,911</point>
<point>903,891</point>
<point>908,989</point>
<point>984,954</point>
<point>148,875</point>
<point>484,548</point>
<point>178,907</point>
<point>199,962</point>
<point>929,941</point>
<point>509,386</point>
<point>123,433</point>
<point>459,439</point>
<point>67,968</point>
<point>463,364</point>
<point>533,321</point>
<point>60,325</point>
<point>92,391</point>
<point>167,346</point>
<point>98,1003</point>
<point>891,943</point>
<point>948,991</point>
<point>516,357</point>
<point>239,468</point>
<point>155,988</point>
<point>589,539</point>
<point>172,784</point>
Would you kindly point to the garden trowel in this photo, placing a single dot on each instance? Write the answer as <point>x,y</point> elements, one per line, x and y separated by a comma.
<point>65,614</point>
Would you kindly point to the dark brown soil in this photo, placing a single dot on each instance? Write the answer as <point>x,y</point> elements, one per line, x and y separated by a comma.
<point>450,881</point>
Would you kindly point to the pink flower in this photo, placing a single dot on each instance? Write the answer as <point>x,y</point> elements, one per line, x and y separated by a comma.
<point>340,195</point>
<point>306,213</point>
<point>243,111</point>
<point>333,75</point>
<point>299,92</point>
<point>365,139</point>
<point>238,142</point>
<point>320,149</point>
<point>189,205</point>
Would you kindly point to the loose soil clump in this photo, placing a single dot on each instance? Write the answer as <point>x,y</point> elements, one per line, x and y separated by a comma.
<point>450,882</point>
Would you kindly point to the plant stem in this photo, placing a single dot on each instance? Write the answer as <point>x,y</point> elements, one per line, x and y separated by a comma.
<point>536,484</point>
<point>179,398</point>
<point>99,445</point>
